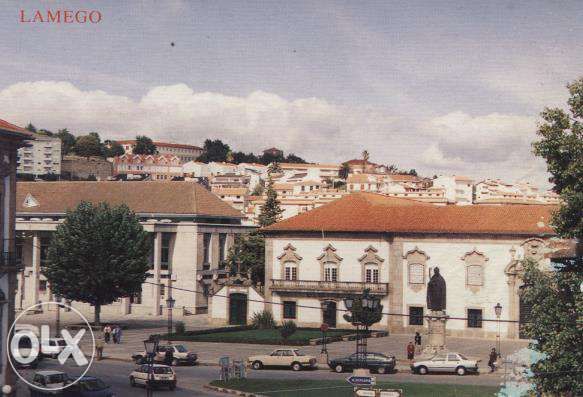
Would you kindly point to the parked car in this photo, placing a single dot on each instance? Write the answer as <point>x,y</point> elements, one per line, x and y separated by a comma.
<point>88,386</point>
<point>374,361</point>
<point>53,347</point>
<point>163,375</point>
<point>446,362</point>
<point>48,383</point>
<point>291,358</point>
<point>181,355</point>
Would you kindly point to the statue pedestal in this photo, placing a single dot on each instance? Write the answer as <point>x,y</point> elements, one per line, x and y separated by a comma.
<point>436,333</point>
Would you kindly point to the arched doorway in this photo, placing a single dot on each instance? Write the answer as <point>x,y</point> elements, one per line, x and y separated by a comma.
<point>238,309</point>
<point>329,313</point>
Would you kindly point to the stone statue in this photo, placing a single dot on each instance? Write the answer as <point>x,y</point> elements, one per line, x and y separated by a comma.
<point>436,292</point>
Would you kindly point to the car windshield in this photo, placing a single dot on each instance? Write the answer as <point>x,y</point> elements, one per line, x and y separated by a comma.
<point>462,356</point>
<point>162,370</point>
<point>56,378</point>
<point>181,349</point>
<point>93,384</point>
<point>299,353</point>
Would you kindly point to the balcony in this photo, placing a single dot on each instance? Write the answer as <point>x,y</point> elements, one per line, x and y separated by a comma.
<point>312,287</point>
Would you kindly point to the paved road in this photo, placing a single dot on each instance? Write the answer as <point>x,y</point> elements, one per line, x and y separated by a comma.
<point>192,379</point>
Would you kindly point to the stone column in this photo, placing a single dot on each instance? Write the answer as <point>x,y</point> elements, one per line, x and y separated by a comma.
<point>436,321</point>
<point>395,286</point>
<point>156,278</point>
<point>33,292</point>
<point>199,251</point>
<point>513,309</point>
<point>215,251</point>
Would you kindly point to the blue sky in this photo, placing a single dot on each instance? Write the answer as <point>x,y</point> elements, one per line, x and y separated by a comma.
<point>444,87</point>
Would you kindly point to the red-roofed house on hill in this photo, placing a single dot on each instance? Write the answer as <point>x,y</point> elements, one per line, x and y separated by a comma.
<point>184,152</point>
<point>391,246</point>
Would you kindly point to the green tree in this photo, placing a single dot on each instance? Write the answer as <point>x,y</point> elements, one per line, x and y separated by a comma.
<point>248,255</point>
<point>113,149</point>
<point>561,145</point>
<point>258,189</point>
<point>270,210</point>
<point>30,127</point>
<point>67,140</point>
<point>144,145</point>
<point>214,151</point>
<point>344,171</point>
<point>268,158</point>
<point>98,255</point>
<point>88,145</point>
<point>292,158</point>
<point>240,157</point>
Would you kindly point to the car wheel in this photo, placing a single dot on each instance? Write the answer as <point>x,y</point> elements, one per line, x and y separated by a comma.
<point>175,362</point>
<point>339,368</point>
<point>422,370</point>
<point>296,367</point>
<point>172,386</point>
<point>132,381</point>
<point>257,365</point>
<point>461,371</point>
<point>381,370</point>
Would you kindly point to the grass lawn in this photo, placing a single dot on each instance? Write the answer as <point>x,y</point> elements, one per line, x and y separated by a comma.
<point>261,336</point>
<point>339,388</point>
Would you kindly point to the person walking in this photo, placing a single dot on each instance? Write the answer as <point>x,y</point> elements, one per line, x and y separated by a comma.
<point>106,333</point>
<point>410,352</point>
<point>418,342</point>
<point>114,333</point>
<point>169,355</point>
<point>492,360</point>
<point>119,334</point>
<point>99,348</point>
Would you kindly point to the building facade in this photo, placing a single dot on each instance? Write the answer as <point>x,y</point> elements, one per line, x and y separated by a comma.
<point>12,138</point>
<point>391,246</point>
<point>157,166</point>
<point>191,230</point>
<point>185,153</point>
<point>77,167</point>
<point>40,156</point>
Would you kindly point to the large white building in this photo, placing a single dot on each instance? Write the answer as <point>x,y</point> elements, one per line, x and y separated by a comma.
<point>458,189</point>
<point>41,156</point>
<point>192,231</point>
<point>390,246</point>
<point>185,153</point>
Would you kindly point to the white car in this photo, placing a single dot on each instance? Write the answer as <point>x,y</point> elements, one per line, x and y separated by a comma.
<point>181,355</point>
<point>162,375</point>
<point>446,362</point>
<point>291,358</point>
<point>51,380</point>
<point>53,348</point>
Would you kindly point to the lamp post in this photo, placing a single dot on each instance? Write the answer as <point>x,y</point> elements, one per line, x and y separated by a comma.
<point>169,306</point>
<point>151,347</point>
<point>498,311</point>
<point>364,311</point>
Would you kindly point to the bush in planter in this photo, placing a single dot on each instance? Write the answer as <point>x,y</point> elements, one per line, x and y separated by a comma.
<point>263,320</point>
<point>179,328</point>
<point>288,328</point>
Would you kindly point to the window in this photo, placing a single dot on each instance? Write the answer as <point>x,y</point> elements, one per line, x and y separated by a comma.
<point>206,246</point>
<point>330,272</point>
<point>45,242</point>
<point>42,285</point>
<point>416,273</point>
<point>415,315</point>
<point>165,251</point>
<point>452,357</point>
<point>474,275</point>
<point>474,318</point>
<point>162,289</point>
<point>19,248</point>
<point>291,271</point>
<point>136,298</point>
<point>371,274</point>
<point>222,246</point>
<point>289,309</point>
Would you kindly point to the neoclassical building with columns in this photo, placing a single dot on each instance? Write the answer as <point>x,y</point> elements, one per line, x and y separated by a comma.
<point>391,246</point>
<point>191,229</point>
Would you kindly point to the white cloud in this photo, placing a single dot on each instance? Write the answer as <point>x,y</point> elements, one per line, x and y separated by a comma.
<point>496,145</point>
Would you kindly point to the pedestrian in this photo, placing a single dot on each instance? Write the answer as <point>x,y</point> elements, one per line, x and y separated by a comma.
<point>106,333</point>
<point>418,342</point>
<point>99,348</point>
<point>114,332</point>
<point>410,352</point>
<point>492,360</point>
<point>118,334</point>
<point>169,355</point>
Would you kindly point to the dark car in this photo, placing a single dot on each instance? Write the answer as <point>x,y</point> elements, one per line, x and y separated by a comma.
<point>378,362</point>
<point>89,386</point>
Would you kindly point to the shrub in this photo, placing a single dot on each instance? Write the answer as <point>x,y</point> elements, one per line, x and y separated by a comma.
<point>263,320</point>
<point>179,328</point>
<point>288,328</point>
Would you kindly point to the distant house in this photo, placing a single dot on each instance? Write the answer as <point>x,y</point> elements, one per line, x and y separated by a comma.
<point>275,152</point>
<point>41,156</point>
<point>158,167</point>
<point>185,153</point>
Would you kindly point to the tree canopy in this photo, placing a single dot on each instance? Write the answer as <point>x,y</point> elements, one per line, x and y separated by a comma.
<point>144,145</point>
<point>113,149</point>
<point>67,140</point>
<point>270,210</point>
<point>248,255</point>
<point>88,145</point>
<point>98,255</point>
<point>214,151</point>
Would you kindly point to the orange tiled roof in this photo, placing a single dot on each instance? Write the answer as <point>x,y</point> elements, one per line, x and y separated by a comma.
<point>160,144</point>
<point>369,212</point>
<point>181,198</point>
<point>9,127</point>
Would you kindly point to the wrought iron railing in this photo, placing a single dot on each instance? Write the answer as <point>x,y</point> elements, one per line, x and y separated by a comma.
<point>328,286</point>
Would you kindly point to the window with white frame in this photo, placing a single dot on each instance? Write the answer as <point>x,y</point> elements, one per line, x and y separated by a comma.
<point>416,273</point>
<point>330,271</point>
<point>290,271</point>
<point>371,273</point>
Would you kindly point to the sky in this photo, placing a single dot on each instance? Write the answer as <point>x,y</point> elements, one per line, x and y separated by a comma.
<point>448,87</point>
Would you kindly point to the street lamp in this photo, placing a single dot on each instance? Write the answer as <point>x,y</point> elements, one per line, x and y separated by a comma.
<point>498,311</point>
<point>170,305</point>
<point>151,347</point>
<point>364,311</point>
